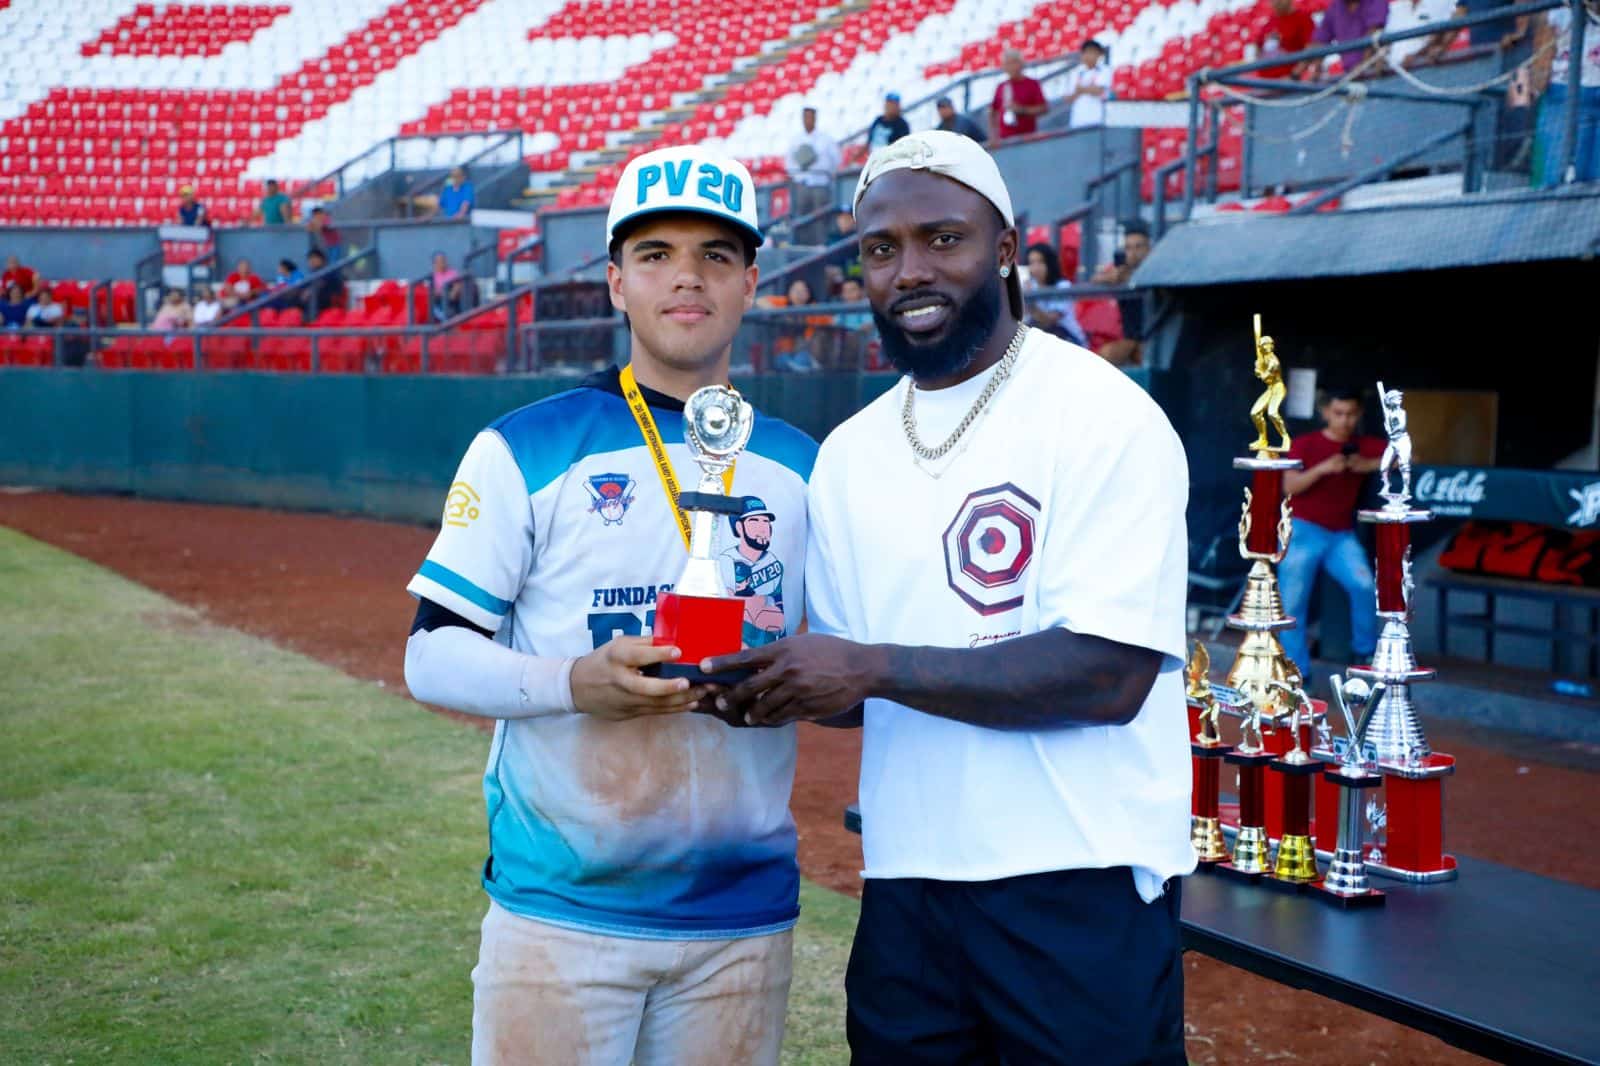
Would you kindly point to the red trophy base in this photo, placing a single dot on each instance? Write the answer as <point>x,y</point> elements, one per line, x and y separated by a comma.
<point>699,627</point>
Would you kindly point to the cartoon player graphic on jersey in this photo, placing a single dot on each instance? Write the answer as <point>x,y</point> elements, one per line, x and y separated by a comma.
<point>750,570</point>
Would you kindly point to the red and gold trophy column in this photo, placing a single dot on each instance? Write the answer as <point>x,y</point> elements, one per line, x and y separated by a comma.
<point>1407,824</point>
<point>1261,670</point>
<point>1206,751</point>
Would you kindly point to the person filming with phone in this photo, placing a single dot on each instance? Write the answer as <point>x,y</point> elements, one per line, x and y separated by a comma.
<point>1326,491</point>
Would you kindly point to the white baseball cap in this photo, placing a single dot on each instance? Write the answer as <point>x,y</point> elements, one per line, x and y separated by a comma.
<point>684,178</point>
<point>954,156</point>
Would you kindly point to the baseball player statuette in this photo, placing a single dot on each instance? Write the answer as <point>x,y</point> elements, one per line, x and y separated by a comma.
<point>1408,827</point>
<point>698,616</point>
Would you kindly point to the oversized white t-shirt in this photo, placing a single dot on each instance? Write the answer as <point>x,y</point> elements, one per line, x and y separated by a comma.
<point>1063,506</point>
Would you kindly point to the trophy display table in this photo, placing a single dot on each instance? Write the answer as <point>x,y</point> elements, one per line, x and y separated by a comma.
<point>1499,963</point>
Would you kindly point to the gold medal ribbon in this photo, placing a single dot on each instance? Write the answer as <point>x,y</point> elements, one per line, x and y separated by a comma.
<point>658,451</point>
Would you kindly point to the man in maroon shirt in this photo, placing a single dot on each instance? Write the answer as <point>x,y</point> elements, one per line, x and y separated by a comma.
<point>1018,102</point>
<point>1326,490</point>
<point>17,274</point>
<point>1289,31</point>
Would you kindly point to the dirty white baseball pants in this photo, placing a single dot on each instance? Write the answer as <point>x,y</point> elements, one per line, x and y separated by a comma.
<point>548,996</point>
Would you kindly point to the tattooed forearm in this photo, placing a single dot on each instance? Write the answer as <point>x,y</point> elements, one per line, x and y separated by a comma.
<point>1053,678</point>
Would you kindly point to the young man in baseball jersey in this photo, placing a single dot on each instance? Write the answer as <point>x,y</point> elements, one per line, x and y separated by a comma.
<point>641,870</point>
<point>1015,636</point>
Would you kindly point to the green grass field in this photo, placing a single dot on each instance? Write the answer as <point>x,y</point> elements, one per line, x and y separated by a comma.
<point>216,851</point>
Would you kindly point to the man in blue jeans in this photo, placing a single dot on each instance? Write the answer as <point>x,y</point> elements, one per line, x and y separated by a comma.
<point>1326,490</point>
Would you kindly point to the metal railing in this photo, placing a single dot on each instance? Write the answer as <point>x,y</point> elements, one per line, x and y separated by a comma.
<point>384,156</point>
<point>1236,76</point>
<point>1043,71</point>
<point>272,297</point>
<point>434,185</point>
<point>197,347</point>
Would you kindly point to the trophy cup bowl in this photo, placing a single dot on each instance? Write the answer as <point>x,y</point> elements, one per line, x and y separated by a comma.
<point>698,616</point>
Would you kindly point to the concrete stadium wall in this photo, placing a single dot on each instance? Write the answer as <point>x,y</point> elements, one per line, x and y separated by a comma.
<point>82,252</point>
<point>381,446</point>
<point>385,446</point>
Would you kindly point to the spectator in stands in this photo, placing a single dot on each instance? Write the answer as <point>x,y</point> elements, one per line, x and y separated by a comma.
<point>457,197</point>
<point>1018,102</point>
<point>191,212</point>
<point>953,121</point>
<point>1337,460</point>
<point>443,275</point>
<point>17,274</point>
<point>889,126</point>
<point>1289,32</point>
<point>244,283</point>
<point>1126,347</point>
<point>45,313</point>
<point>851,292</point>
<point>1555,66</point>
<point>174,313</point>
<point>794,355</point>
<point>845,261</point>
<point>1514,39</point>
<point>1412,14</point>
<point>812,162</point>
<point>288,276</point>
<point>1352,20</point>
<point>324,292</point>
<point>324,237</point>
<point>1089,86</point>
<point>1051,314</point>
<point>14,308</point>
<point>206,305</point>
<point>276,209</point>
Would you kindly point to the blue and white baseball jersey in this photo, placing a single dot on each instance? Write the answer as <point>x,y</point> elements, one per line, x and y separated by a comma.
<point>557,536</point>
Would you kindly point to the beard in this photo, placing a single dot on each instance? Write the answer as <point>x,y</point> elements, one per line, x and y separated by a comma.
<point>757,543</point>
<point>972,323</point>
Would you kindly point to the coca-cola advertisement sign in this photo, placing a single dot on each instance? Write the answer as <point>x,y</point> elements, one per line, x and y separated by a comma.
<point>1451,494</point>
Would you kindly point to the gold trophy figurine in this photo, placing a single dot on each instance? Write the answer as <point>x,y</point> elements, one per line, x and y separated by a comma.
<point>1269,404</point>
<point>1207,749</point>
<point>1198,672</point>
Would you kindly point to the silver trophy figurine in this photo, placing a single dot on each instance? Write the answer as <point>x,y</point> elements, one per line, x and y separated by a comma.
<point>1346,880</point>
<point>1397,453</point>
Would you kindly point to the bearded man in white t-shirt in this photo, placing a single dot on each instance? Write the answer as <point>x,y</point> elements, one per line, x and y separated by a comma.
<point>1012,642</point>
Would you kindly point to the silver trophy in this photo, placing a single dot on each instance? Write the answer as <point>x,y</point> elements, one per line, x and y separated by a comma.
<point>716,422</point>
<point>1346,879</point>
<point>699,616</point>
<point>1396,732</point>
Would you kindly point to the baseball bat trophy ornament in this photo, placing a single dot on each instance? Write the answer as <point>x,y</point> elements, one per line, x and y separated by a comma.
<point>1206,749</point>
<point>1355,777</point>
<point>698,616</point>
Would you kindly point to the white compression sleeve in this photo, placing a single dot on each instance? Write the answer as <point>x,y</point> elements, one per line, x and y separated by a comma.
<point>467,672</point>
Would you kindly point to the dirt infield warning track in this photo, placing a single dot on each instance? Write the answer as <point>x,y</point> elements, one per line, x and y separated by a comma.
<point>334,588</point>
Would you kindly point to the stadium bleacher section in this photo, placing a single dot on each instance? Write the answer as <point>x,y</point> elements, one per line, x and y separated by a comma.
<point>115,105</point>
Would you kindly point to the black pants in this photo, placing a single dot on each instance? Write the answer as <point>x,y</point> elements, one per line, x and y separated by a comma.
<point>1065,967</point>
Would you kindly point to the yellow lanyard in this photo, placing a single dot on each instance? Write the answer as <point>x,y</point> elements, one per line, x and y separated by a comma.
<point>658,451</point>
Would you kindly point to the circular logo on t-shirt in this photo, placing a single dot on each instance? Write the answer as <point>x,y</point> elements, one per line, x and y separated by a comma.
<point>988,546</point>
